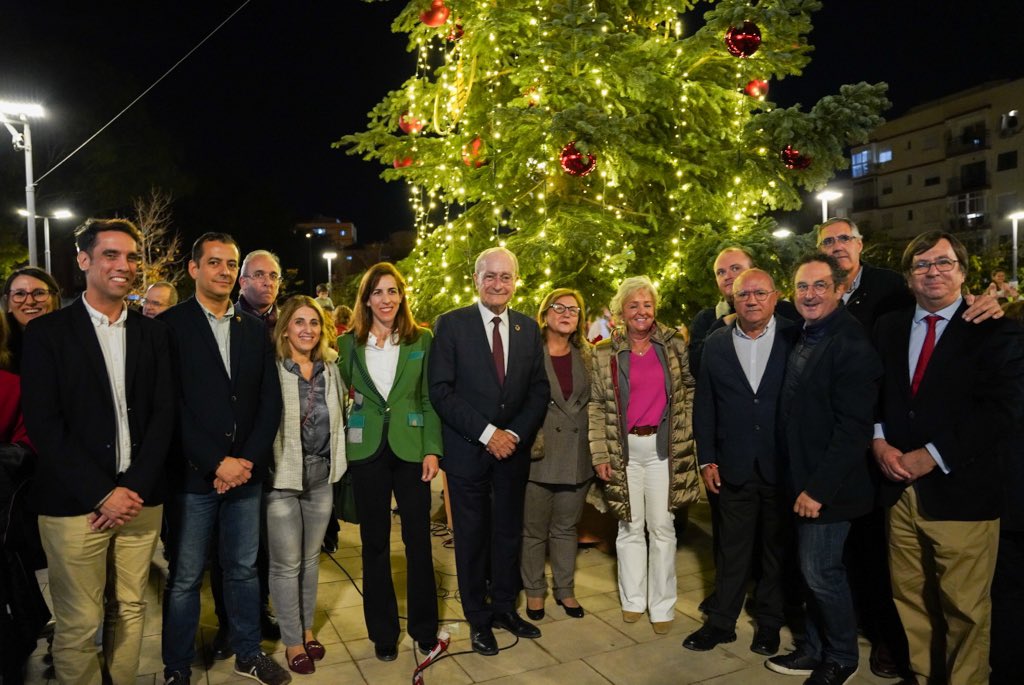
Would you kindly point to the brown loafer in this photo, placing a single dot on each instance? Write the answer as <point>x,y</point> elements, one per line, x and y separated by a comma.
<point>302,664</point>
<point>315,650</point>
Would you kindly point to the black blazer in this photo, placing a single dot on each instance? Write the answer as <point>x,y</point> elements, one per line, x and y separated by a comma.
<point>707,322</point>
<point>222,416</point>
<point>826,425</point>
<point>734,426</point>
<point>880,291</point>
<point>465,392</point>
<point>969,400</point>
<point>69,410</point>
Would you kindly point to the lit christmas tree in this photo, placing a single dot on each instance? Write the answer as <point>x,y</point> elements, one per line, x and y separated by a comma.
<point>601,139</point>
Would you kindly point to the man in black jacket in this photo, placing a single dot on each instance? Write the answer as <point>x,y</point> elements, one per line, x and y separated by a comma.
<point>825,422</point>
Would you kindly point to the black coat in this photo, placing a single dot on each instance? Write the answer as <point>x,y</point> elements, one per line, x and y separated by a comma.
<point>707,321</point>
<point>970,398</point>
<point>222,416</point>
<point>828,426</point>
<point>70,417</point>
<point>880,291</point>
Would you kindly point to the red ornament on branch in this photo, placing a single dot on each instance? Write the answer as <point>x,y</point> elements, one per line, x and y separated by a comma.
<point>402,162</point>
<point>743,41</point>
<point>757,88</point>
<point>436,15</point>
<point>574,163</point>
<point>410,124</point>
<point>456,33</point>
<point>792,158</point>
<point>473,153</point>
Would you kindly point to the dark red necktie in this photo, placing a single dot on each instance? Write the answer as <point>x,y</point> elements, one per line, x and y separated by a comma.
<point>926,352</point>
<point>498,350</point>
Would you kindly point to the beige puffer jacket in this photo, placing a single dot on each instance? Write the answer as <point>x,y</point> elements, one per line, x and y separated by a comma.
<point>608,418</point>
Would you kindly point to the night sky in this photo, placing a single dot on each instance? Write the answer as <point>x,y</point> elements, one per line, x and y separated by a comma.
<point>241,131</point>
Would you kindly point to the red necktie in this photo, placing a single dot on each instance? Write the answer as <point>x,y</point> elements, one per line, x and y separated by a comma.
<point>498,351</point>
<point>926,352</point>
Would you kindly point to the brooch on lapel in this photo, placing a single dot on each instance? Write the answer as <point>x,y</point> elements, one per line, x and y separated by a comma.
<point>238,318</point>
<point>517,327</point>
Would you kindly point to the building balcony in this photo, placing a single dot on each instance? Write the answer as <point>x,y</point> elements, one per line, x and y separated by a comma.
<point>965,184</point>
<point>863,204</point>
<point>968,142</point>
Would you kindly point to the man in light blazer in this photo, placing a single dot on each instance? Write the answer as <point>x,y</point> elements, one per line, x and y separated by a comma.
<point>488,385</point>
<point>98,401</point>
<point>230,410</point>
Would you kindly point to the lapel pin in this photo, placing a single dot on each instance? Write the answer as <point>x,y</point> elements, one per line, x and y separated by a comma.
<point>517,327</point>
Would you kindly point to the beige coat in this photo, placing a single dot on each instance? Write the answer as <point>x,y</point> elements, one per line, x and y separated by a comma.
<point>675,432</point>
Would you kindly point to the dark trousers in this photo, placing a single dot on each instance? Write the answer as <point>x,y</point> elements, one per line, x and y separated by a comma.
<point>1007,609</point>
<point>262,571</point>
<point>753,520</point>
<point>374,481</point>
<point>487,513</point>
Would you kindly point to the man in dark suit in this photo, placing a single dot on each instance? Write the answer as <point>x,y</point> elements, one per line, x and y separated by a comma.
<point>733,422</point>
<point>951,392</point>
<point>230,407</point>
<point>99,407</point>
<point>825,418</point>
<point>488,385</point>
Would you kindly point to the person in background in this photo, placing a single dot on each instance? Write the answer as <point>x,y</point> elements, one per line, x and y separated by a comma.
<point>259,283</point>
<point>323,297</point>
<point>343,318</point>
<point>160,297</point>
<point>394,442</point>
<point>309,455</point>
<point>602,326</point>
<point>560,470</point>
<point>641,442</point>
<point>29,292</point>
<point>999,288</point>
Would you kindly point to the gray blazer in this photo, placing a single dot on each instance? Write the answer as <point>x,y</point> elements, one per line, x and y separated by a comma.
<point>561,452</point>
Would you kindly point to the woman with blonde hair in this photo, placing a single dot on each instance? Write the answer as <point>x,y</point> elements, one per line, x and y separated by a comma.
<point>560,471</point>
<point>394,442</point>
<point>309,455</point>
<point>641,439</point>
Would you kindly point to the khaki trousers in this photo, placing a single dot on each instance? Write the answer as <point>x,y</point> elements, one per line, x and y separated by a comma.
<point>941,579</point>
<point>83,566</point>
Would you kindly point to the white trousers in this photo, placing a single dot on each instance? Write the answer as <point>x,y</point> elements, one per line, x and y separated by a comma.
<point>647,564</point>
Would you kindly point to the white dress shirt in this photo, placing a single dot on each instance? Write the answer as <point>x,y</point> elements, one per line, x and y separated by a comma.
<point>111,336</point>
<point>753,353</point>
<point>382,363</point>
<point>221,327</point>
<point>488,318</point>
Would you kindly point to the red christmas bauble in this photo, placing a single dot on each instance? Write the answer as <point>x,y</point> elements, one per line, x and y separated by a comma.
<point>473,154</point>
<point>436,15</point>
<point>757,88</point>
<point>402,162</point>
<point>410,124</point>
<point>743,41</point>
<point>792,158</point>
<point>456,32</point>
<point>574,163</point>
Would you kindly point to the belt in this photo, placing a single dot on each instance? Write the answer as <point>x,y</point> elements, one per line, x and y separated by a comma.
<point>643,430</point>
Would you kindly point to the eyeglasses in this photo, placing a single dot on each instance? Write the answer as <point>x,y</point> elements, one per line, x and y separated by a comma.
<point>819,287</point>
<point>261,276</point>
<point>943,264</point>
<point>19,296</point>
<point>759,295</point>
<point>562,309</point>
<point>832,240</point>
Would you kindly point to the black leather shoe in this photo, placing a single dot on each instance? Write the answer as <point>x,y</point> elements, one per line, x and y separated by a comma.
<point>708,637</point>
<point>514,623</point>
<point>883,664</point>
<point>221,646</point>
<point>483,642</point>
<point>269,629</point>
<point>425,646</point>
<point>572,612</point>
<point>766,641</point>
<point>535,614</point>
<point>385,652</point>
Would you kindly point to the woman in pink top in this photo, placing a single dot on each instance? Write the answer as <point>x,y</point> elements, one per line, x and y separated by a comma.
<point>641,442</point>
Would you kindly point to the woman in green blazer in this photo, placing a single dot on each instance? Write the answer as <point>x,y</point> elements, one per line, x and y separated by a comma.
<point>393,445</point>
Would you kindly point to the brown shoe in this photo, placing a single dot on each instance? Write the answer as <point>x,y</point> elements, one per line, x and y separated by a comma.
<point>661,627</point>
<point>631,616</point>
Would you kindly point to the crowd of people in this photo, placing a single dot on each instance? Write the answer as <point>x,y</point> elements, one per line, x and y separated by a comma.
<point>858,445</point>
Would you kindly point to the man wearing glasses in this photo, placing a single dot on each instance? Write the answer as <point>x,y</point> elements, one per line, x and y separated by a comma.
<point>951,394</point>
<point>734,425</point>
<point>160,297</point>
<point>258,285</point>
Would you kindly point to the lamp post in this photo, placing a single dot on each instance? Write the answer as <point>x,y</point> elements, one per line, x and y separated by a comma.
<point>59,214</point>
<point>827,196</point>
<point>1015,217</point>
<point>330,257</point>
<point>782,233</point>
<point>12,114</point>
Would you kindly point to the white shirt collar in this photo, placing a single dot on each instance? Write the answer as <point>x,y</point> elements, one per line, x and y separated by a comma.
<point>946,312</point>
<point>488,315</point>
<point>769,327</point>
<point>100,319</point>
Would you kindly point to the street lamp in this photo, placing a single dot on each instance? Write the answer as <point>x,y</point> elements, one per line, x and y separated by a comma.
<point>11,115</point>
<point>782,233</point>
<point>827,196</point>
<point>330,257</point>
<point>59,214</point>
<point>1015,217</point>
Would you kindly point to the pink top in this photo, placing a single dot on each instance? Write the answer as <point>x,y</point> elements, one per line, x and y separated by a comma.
<point>647,400</point>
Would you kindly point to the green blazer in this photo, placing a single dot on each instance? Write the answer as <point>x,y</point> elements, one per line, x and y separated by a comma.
<point>414,429</point>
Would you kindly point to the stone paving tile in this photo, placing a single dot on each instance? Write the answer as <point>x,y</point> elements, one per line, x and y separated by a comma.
<point>574,639</point>
<point>575,672</point>
<point>660,662</point>
<point>524,656</point>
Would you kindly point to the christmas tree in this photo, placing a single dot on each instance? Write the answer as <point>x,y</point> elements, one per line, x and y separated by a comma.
<point>599,139</point>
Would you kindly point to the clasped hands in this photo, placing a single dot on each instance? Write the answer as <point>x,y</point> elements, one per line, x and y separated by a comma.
<point>230,473</point>
<point>120,507</point>
<point>902,467</point>
<point>502,444</point>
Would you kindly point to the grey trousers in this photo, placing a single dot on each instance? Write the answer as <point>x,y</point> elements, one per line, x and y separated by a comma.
<point>296,521</point>
<point>550,515</point>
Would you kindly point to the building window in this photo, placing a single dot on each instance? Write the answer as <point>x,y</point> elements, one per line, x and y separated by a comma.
<point>969,209</point>
<point>860,163</point>
<point>932,181</point>
<point>1010,121</point>
<point>885,155</point>
<point>887,188</point>
<point>910,179</point>
<point>1006,161</point>
<point>910,215</point>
